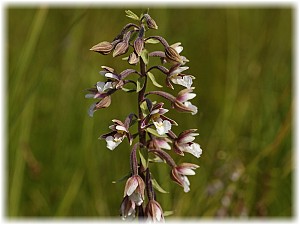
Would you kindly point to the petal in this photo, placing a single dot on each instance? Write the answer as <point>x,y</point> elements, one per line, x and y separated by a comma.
<point>167,125</point>
<point>162,126</point>
<point>186,184</point>
<point>100,86</point>
<point>158,213</point>
<point>163,111</point>
<point>111,75</point>
<point>111,143</point>
<point>177,46</point>
<point>162,144</point>
<point>130,186</point>
<point>196,150</point>
<point>121,128</point>
<point>186,171</point>
<point>192,107</point>
<point>187,139</point>
<point>159,128</point>
<point>186,94</point>
<point>154,111</point>
<point>92,110</point>
<point>108,85</point>
<point>178,70</point>
<point>136,198</point>
<point>185,81</point>
<point>89,95</point>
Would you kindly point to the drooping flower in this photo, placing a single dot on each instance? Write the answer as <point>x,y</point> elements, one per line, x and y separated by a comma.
<point>182,103</point>
<point>119,132</point>
<point>176,76</point>
<point>127,209</point>
<point>154,212</point>
<point>135,189</point>
<point>184,143</point>
<point>179,174</point>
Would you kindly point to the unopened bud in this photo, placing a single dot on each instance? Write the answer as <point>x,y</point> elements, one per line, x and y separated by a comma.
<point>121,48</point>
<point>150,22</point>
<point>104,47</point>
<point>138,45</point>
<point>172,55</point>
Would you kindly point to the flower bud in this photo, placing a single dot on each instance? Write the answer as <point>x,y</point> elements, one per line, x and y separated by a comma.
<point>172,55</point>
<point>150,22</point>
<point>179,174</point>
<point>127,209</point>
<point>154,212</point>
<point>138,45</point>
<point>104,47</point>
<point>121,48</point>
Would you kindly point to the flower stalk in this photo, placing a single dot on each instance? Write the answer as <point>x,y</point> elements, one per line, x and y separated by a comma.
<point>155,133</point>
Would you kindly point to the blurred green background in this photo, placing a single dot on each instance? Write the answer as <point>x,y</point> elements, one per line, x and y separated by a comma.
<point>242,58</point>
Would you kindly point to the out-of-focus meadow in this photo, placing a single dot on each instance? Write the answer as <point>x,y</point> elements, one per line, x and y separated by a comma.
<point>243,60</point>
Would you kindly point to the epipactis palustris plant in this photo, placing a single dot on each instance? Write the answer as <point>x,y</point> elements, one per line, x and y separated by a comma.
<point>154,133</point>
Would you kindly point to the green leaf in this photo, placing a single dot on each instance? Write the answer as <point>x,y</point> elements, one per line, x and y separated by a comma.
<point>168,213</point>
<point>144,157</point>
<point>152,41</point>
<point>144,108</point>
<point>156,159</point>
<point>145,56</point>
<point>158,187</point>
<point>131,15</point>
<point>152,78</point>
<point>154,132</point>
<point>122,178</point>
<point>128,90</point>
<point>140,84</point>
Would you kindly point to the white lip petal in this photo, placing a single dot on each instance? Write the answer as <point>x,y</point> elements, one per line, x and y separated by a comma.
<point>196,150</point>
<point>193,149</point>
<point>185,81</point>
<point>136,197</point>
<point>100,86</point>
<point>111,143</point>
<point>108,85</point>
<point>186,184</point>
<point>162,126</point>
<point>192,107</point>
<point>92,110</point>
